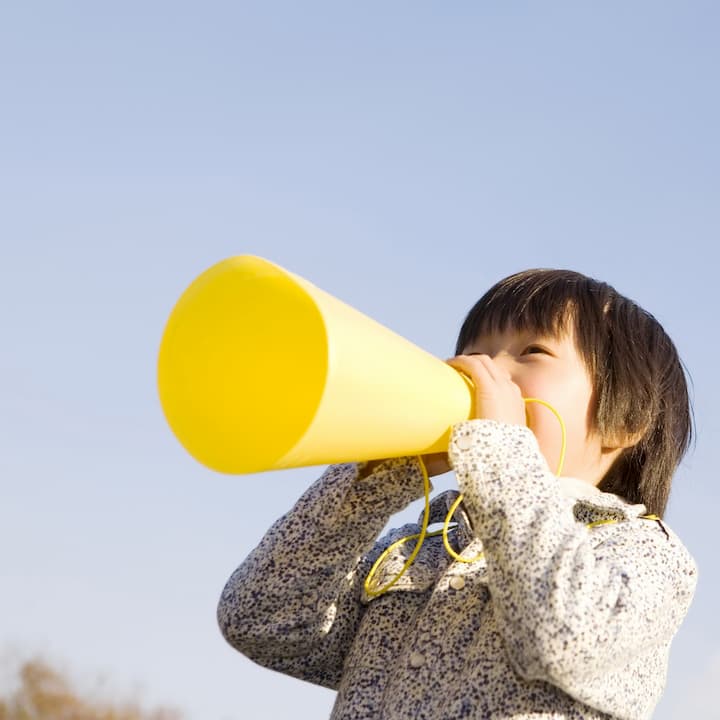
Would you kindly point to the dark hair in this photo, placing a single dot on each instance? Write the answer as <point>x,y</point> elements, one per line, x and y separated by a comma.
<point>638,379</point>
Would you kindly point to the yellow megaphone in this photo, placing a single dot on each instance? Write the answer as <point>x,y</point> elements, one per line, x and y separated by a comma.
<point>260,370</point>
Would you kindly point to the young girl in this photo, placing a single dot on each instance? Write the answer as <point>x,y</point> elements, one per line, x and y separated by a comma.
<point>552,596</point>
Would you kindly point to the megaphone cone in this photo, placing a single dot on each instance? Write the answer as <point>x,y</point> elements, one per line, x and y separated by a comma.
<point>259,370</point>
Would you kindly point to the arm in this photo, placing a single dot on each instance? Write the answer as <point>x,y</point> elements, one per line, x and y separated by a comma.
<point>574,605</point>
<point>294,603</point>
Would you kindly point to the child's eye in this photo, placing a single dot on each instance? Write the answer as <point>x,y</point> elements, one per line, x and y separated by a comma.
<point>531,349</point>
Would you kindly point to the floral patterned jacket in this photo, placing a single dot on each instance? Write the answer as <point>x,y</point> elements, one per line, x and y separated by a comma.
<point>555,620</point>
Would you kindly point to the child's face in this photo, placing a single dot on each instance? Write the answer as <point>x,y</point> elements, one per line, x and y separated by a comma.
<point>550,368</point>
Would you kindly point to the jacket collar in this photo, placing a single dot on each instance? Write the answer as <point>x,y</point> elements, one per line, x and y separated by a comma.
<point>588,503</point>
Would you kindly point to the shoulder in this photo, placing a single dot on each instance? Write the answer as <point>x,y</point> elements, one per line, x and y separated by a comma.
<point>649,554</point>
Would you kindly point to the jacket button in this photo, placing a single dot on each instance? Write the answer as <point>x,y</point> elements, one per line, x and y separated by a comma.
<point>464,442</point>
<point>457,582</point>
<point>416,659</point>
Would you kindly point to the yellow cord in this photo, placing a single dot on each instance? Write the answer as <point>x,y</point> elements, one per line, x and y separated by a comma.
<point>444,532</point>
<point>611,521</point>
<point>368,586</point>
<point>598,523</point>
<point>371,591</point>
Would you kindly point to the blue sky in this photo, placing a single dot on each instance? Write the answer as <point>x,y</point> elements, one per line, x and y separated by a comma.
<point>402,156</point>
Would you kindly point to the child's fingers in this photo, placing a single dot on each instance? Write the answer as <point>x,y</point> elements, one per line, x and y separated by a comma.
<point>473,366</point>
<point>436,463</point>
<point>497,397</point>
<point>481,369</point>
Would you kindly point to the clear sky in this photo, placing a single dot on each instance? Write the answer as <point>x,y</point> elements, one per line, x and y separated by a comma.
<point>402,156</point>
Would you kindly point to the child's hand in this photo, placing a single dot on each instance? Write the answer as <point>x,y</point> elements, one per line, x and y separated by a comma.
<point>497,397</point>
<point>436,463</point>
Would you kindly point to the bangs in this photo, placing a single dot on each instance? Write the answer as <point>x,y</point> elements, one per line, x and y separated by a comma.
<point>547,302</point>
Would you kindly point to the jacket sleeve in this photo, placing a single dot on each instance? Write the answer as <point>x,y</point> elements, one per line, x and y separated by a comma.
<point>294,603</point>
<point>574,605</point>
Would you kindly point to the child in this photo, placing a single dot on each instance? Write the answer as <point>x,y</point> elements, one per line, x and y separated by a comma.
<point>566,593</point>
